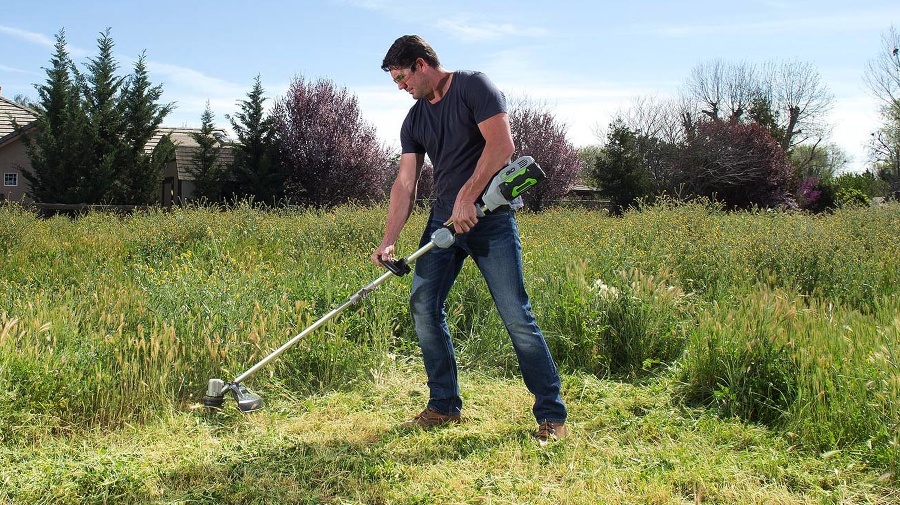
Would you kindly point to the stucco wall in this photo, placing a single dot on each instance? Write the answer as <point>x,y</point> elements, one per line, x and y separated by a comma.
<point>12,158</point>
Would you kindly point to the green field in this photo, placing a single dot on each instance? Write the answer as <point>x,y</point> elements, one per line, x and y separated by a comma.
<point>707,357</point>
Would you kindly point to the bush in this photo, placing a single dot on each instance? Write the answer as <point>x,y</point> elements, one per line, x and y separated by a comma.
<point>536,132</point>
<point>738,164</point>
<point>815,195</point>
<point>866,183</point>
<point>851,197</point>
<point>644,321</point>
<point>331,155</point>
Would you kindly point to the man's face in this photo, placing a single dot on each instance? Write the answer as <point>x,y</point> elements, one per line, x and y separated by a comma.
<point>406,79</point>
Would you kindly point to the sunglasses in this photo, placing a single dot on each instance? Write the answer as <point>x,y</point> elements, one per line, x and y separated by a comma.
<point>402,76</point>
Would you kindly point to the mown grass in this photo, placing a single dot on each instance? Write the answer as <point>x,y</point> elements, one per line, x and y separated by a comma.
<point>630,444</point>
<point>708,357</point>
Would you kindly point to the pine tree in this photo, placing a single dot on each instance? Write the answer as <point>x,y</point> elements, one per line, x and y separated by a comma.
<point>139,178</point>
<point>209,175</point>
<point>54,145</point>
<point>106,125</point>
<point>619,171</point>
<point>256,170</point>
<point>88,143</point>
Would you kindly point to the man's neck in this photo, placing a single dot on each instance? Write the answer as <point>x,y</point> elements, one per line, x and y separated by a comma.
<point>441,85</point>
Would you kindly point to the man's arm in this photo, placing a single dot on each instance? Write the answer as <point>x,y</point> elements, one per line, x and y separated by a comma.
<point>400,206</point>
<point>498,150</point>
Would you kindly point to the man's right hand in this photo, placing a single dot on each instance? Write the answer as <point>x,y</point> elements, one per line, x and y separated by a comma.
<point>384,253</point>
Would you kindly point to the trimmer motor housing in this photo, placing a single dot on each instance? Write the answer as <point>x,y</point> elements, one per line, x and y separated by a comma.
<point>511,181</point>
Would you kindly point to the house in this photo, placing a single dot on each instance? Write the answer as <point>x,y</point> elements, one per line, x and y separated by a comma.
<point>12,151</point>
<point>587,196</point>
<point>177,184</point>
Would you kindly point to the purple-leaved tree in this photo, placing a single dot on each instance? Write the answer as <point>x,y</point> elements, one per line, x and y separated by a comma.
<point>739,164</point>
<point>331,155</point>
<point>538,134</point>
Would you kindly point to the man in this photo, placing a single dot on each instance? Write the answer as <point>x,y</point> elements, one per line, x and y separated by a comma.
<point>460,121</point>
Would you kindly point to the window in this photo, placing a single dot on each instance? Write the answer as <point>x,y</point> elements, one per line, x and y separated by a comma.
<point>10,179</point>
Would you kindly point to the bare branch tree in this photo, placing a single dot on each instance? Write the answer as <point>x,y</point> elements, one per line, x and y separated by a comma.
<point>725,91</point>
<point>650,116</point>
<point>705,84</point>
<point>792,91</point>
<point>882,74</point>
<point>801,101</point>
<point>883,79</point>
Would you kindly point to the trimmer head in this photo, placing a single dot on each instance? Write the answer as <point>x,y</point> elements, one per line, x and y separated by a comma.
<point>247,401</point>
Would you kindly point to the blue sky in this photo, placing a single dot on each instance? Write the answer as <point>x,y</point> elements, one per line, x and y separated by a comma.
<point>585,60</point>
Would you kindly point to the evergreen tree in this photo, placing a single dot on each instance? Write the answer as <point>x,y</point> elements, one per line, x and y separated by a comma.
<point>619,170</point>
<point>87,145</point>
<point>141,172</point>
<point>54,144</point>
<point>106,124</point>
<point>257,172</point>
<point>209,174</point>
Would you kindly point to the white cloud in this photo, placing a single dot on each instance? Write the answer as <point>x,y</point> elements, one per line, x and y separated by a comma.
<point>834,24</point>
<point>384,109</point>
<point>30,37</point>
<point>41,40</point>
<point>468,31</point>
<point>190,90</point>
<point>190,79</point>
<point>13,70</point>
<point>854,120</point>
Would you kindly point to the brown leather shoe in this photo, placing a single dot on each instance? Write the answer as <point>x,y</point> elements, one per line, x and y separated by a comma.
<point>550,430</point>
<point>431,418</point>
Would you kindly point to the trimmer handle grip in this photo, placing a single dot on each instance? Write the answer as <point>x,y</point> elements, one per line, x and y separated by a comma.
<point>398,267</point>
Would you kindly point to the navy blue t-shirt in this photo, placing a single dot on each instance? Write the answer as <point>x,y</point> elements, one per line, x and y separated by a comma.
<point>448,133</point>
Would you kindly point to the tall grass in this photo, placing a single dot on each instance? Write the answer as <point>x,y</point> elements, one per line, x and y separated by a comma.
<point>783,319</point>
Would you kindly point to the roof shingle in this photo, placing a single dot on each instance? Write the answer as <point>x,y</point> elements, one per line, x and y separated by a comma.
<point>12,112</point>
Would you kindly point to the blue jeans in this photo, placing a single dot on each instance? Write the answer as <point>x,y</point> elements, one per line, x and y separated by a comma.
<point>495,247</point>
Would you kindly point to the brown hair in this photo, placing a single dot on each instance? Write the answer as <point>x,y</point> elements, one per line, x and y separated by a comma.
<point>406,50</point>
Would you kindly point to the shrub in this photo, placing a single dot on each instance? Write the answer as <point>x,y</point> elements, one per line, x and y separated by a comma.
<point>851,197</point>
<point>736,163</point>
<point>645,320</point>
<point>815,195</point>
<point>629,327</point>
<point>536,132</point>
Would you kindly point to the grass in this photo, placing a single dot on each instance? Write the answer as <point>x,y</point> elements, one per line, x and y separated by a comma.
<point>629,444</point>
<point>707,357</point>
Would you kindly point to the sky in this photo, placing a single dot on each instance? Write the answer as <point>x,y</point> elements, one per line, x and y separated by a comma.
<point>585,60</point>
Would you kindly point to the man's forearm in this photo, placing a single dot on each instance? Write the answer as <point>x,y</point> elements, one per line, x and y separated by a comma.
<point>399,209</point>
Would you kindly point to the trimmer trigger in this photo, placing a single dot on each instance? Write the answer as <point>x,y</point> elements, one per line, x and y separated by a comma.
<point>397,267</point>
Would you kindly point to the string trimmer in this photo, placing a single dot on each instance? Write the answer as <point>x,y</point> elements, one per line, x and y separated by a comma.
<point>508,184</point>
